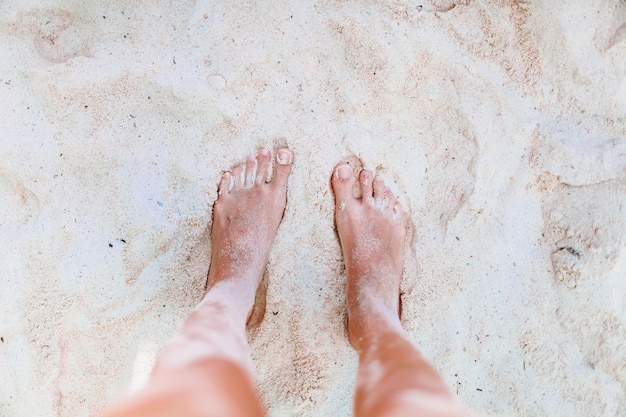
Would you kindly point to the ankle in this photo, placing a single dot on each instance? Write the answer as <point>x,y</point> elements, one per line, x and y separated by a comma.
<point>374,300</point>
<point>229,272</point>
<point>235,295</point>
<point>367,325</point>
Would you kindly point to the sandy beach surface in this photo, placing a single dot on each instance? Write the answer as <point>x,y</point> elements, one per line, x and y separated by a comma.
<point>502,124</point>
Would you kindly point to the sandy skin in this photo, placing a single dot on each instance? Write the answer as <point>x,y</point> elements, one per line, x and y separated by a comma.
<point>205,370</point>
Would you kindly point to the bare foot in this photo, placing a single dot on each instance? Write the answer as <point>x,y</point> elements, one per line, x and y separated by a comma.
<point>246,215</point>
<point>372,234</point>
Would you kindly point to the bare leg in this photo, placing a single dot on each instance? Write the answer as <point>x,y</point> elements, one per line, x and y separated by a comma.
<point>205,371</point>
<point>394,379</point>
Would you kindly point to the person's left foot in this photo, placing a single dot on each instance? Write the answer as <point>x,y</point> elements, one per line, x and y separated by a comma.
<point>246,215</point>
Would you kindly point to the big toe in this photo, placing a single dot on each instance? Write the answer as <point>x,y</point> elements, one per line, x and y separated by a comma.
<point>282,168</point>
<point>343,184</point>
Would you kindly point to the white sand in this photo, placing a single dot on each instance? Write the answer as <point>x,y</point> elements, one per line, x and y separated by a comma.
<point>503,124</point>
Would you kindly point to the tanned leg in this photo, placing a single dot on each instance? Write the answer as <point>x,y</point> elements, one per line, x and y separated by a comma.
<point>394,379</point>
<point>205,371</point>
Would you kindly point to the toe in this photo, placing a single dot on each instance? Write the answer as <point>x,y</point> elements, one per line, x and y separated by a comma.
<point>237,177</point>
<point>225,185</point>
<point>398,213</point>
<point>391,197</point>
<point>282,168</point>
<point>389,200</point>
<point>379,190</point>
<point>263,164</point>
<point>343,183</point>
<point>250,174</point>
<point>365,181</point>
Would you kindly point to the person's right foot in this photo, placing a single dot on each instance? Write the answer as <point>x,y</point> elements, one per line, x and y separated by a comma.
<point>372,231</point>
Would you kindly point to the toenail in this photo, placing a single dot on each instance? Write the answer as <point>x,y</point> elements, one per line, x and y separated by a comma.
<point>344,172</point>
<point>264,152</point>
<point>283,157</point>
